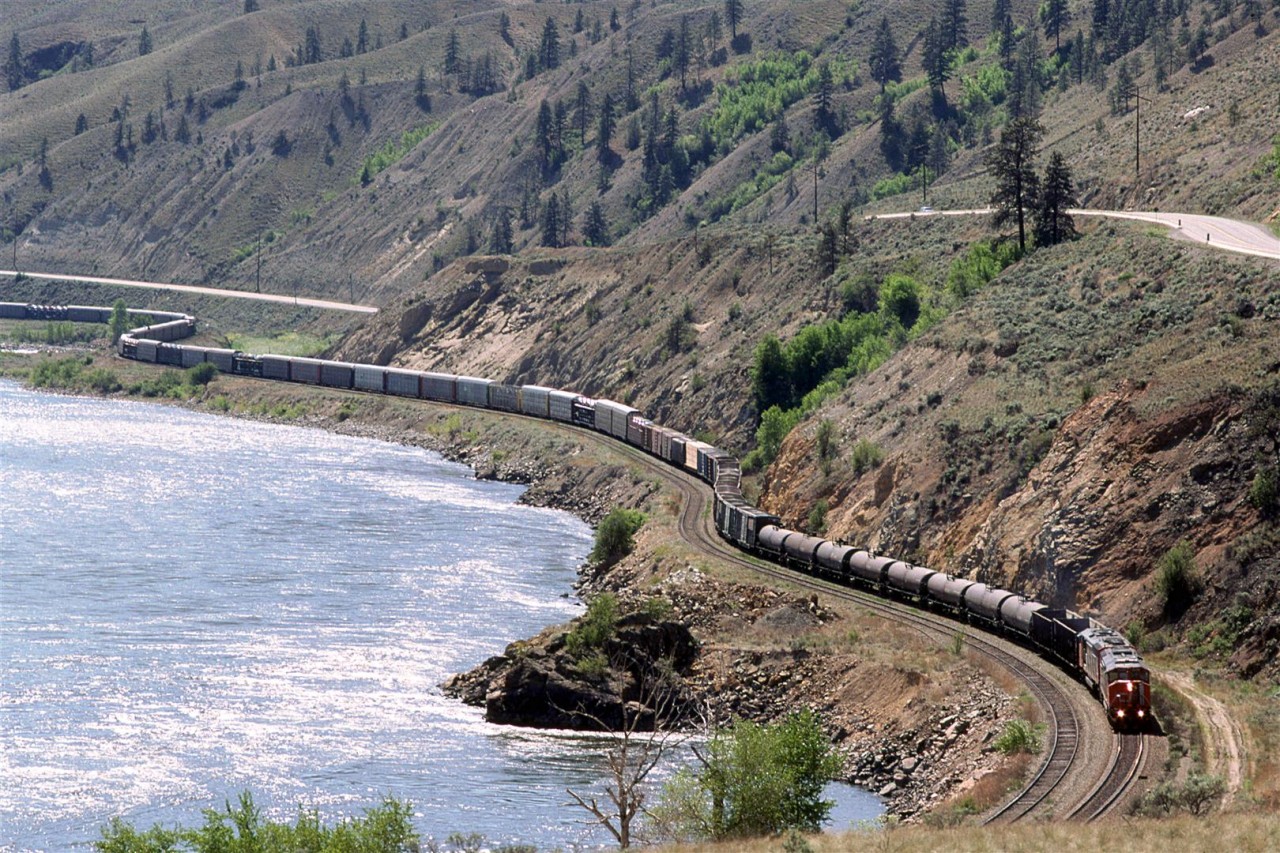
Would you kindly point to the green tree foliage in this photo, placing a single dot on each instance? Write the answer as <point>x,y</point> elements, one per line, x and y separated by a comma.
<point>1056,17</point>
<point>1264,492</point>
<point>144,42</point>
<point>758,93</point>
<point>595,231</point>
<point>1012,162</point>
<point>733,13</point>
<point>549,46</point>
<point>595,628</point>
<point>241,828</point>
<point>119,321</point>
<point>884,61</point>
<point>1053,224</point>
<point>955,24</point>
<point>1177,580</point>
<point>614,535</point>
<point>900,299</point>
<point>13,65</point>
<point>936,61</point>
<point>983,262</point>
<point>754,780</point>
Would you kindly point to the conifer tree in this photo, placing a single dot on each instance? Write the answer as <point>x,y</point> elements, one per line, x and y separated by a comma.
<point>549,47</point>
<point>13,66</point>
<point>955,24</point>
<point>1012,162</point>
<point>884,62</point>
<point>1056,17</point>
<point>144,42</point>
<point>1053,224</point>
<point>733,12</point>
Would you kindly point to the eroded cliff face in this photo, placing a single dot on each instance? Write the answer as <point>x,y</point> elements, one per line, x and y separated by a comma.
<point>1059,436</point>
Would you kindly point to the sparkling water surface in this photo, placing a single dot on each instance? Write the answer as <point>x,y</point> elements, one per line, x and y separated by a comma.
<point>192,606</point>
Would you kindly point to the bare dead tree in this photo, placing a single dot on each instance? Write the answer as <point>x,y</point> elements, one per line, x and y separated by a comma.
<point>637,749</point>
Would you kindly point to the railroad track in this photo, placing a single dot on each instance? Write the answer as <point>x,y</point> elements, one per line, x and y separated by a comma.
<point>1064,725</point>
<point>1127,762</point>
<point>695,527</point>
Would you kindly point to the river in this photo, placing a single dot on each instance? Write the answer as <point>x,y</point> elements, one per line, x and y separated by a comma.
<point>192,606</point>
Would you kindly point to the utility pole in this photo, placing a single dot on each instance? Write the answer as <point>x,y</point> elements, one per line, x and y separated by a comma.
<point>258,282</point>
<point>1137,135</point>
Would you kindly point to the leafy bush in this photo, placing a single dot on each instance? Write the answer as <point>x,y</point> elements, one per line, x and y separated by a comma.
<point>748,100</point>
<point>1195,795</point>
<point>983,262</point>
<point>866,456</point>
<point>1177,581</point>
<point>614,535</point>
<point>756,780</point>
<point>1019,736</point>
<point>1264,493</point>
<point>818,518</point>
<point>202,374</point>
<point>595,628</point>
<point>386,828</point>
<point>393,151</point>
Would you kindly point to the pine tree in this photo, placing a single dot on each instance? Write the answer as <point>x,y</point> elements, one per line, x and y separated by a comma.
<point>596,229</point>
<point>1056,17</point>
<point>250,6</point>
<point>362,38</point>
<point>544,135</point>
<point>549,47</point>
<point>501,241</point>
<point>582,111</point>
<point>144,42</point>
<point>955,25</point>
<point>822,99</point>
<point>1012,162</point>
<point>420,95</point>
<point>605,126</point>
<point>13,66</point>
<point>451,50</point>
<point>733,12</point>
<point>551,222</point>
<point>504,29</point>
<point>937,67</point>
<point>884,62</point>
<point>82,124</point>
<point>1000,10</point>
<point>1053,224</point>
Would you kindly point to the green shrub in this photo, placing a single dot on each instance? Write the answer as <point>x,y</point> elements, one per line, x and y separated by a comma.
<point>866,456</point>
<point>387,827</point>
<point>202,374</point>
<point>614,535</point>
<point>595,628</point>
<point>1019,736</point>
<point>818,518</point>
<point>1264,493</point>
<point>1177,581</point>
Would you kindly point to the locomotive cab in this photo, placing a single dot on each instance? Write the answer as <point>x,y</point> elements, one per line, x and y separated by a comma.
<point>1115,670</point>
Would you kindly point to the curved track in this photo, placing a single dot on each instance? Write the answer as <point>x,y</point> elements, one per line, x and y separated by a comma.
<point>1064,735</point>
<point>1126,767</point>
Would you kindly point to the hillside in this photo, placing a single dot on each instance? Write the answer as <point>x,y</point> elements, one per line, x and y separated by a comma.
<point>1067,423</point>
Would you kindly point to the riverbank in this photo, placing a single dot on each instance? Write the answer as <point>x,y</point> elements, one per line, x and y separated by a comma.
<point>914,721</point>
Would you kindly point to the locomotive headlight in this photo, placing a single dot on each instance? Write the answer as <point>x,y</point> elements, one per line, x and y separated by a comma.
<point>1120,713</point>
<point>1141,714</point>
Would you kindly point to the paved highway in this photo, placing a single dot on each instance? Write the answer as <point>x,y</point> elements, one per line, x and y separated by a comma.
<point>1228,234</point>
<point>205,291</point>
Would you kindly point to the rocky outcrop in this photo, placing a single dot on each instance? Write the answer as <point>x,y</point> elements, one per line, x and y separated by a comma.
<point>632,681</point>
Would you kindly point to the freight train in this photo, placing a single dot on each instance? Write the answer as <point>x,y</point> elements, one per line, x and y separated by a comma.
<point>1099,655</point>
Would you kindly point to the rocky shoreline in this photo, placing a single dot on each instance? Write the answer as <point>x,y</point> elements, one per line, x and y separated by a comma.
<point>913,725</point>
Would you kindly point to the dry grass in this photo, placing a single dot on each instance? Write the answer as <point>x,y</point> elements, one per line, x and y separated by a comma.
<point>1236,832</point>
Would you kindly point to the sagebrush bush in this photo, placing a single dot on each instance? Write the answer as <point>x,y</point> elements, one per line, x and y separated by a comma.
<point>614,535</point>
